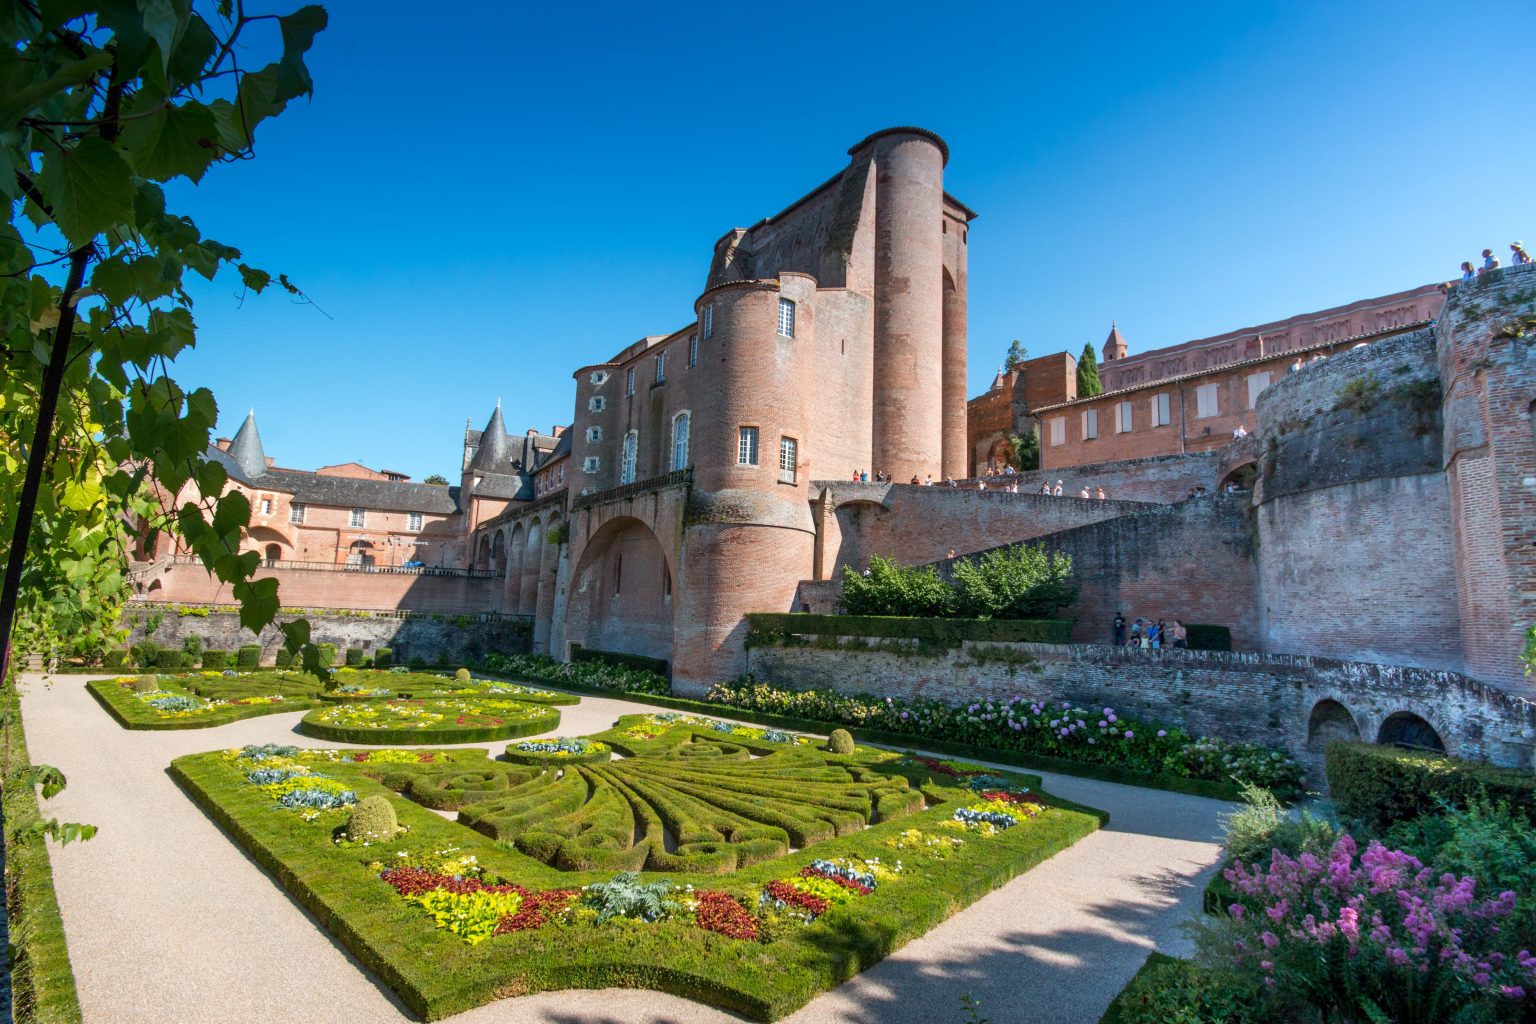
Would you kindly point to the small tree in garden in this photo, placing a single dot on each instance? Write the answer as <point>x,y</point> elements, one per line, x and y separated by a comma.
<point>1019,582</point>
<point>1088,383</point>
<point>890,588</point>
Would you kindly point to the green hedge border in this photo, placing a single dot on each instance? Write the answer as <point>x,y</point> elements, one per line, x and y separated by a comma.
<point>1380,785</point>
<point>770,628</point>
<point>901,741</point>
<point>554,760</point>
<point>132,713</point>
<point>42,980</point>
<point>431,736</point>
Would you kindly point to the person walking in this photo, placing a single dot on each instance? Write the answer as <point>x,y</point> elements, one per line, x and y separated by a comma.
<point>1119,628</point>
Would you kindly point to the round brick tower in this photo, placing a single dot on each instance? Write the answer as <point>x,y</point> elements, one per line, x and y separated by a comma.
<point>909,301</point>
<point>748,536</point>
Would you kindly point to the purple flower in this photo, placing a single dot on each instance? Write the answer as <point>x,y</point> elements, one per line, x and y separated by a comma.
<point>1129,735</point>
<point>1161,733</point>
<point>1512,991</point>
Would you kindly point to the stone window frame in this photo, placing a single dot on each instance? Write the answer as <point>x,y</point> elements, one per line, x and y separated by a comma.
<point>677,448</point>
<point>599,378</point>
<point>296,512</point>
<point>629,457</point>
<point>597,403</point>
<point>709,321</point>
<point>661,367</point>
<point>266,505</point>
<point>747,437</point>
<point>693,350</point>
<point>629,382</point>
<point>413,522</point>
<point>789,452</point>
<point>594,435</point>
<point>358,519</point>
<point>591,464</point>
<point>786,317</point>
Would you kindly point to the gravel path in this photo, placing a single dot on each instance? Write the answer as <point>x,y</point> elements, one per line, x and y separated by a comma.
<point>168,921</point>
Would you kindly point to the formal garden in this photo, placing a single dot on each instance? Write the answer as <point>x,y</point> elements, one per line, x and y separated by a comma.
<point>745,867</point>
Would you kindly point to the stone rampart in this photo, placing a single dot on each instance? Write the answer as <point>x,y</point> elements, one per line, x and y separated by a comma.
<point>433,637</point>
<point>1283,700</point>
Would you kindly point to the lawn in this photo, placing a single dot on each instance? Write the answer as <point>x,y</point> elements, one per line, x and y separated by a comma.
<point>453,914</point>
<point>468,719</point>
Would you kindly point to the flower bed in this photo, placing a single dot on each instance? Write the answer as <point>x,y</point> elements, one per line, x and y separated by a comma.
<point>1096,735</point>
<point>451,916</point>
<point>580,675</point>
<point>192,700</point>
<point>451,720</point>
<point>559,750</point>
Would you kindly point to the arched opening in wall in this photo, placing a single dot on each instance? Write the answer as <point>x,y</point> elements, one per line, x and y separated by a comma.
<point>155,587</point>
<point>360,553</point>
<point>1239,478</point>
<point>1406,729</point>
<point>498,552</point>
<point>859,526</point>
<point>998,456</point>
<point>618,596</point>
<point>274,553</point>
<point>1330,721</point>
<point>483,556</point>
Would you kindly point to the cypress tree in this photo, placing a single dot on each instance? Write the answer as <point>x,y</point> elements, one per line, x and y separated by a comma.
<point>1088,383</point>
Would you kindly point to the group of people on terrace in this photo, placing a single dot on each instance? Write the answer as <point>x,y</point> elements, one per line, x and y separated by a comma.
<point>1150,634</point>
<point>1518,257</point>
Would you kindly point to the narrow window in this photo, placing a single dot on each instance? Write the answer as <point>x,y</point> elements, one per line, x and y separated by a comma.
<point>661,367</point>
<point>357,517</point>
<point>788,457</point>
<point>266,506</point>
<point>1090,424</point>
<point>413,521</point>
<point>1058,431</point>
<point>1123,420</point>
<point>1257,382</point>
<point>680,441</point>
<point>786,318</point>
<point>627,465</point>
<point>709,321</point>
<point>590,464</point>
<point>1206,403</point>
<point>693,350</point>
<point>599,377</point>
<point>296,513</point>
<point>746,447</point>
<point>594,434</point>
<point>597,403</point>
<point>629,381</point>
<point>1160,410</point>
<point>618,574</point>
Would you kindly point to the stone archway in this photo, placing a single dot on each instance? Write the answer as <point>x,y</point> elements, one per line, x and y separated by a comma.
<point>618,599</point>
<point>1330,721</point>
<point>858,524</point>
<point>997,456</point>
<point>498,552</point>
<point>483,555</point>
<point>1408,730</point>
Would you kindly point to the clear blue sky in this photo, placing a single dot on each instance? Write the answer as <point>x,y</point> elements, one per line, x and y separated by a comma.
<point>485,196</point>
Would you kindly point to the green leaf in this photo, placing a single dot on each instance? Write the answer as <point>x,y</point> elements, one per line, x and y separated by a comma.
<point>254,279</point>
<point>16,103</point>
<point>178,140</point>
<point>163,23</point>
<point>258,603</point>
<point>89,187</point>
<point>298,30</point>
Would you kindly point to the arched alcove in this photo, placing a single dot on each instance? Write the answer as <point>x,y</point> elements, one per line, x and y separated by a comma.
<point>1406,729</point>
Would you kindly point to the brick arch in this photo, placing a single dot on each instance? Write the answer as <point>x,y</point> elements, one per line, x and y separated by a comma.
<point>1330,720</point>
<point>853,521</point>
<point>498,550</point>
<point>617,599</point>
<point>1407,729</point>
<point>483,552</point>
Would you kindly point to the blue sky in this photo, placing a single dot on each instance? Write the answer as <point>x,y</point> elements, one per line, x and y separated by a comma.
<point>486,199</point>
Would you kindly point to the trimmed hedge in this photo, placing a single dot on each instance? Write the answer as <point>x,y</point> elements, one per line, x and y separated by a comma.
<point>41,980</point>
<point>784,628</point>
<point>1380,785</point>
<point>168,660</point>
<point>354,657</point>
<point>215,659</point>
<point>327,655</point>
<point>114,660</point>
<point>283,658</point>
<point>1203,636</point>
<point>545,719</point>
<point>384,657</point>
<point>637,661</point>
<point>132,713</point>
<point>248,656</point>
<point>553,760</point>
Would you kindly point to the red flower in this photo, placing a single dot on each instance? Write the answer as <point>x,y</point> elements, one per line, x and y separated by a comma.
<point>719,912</point>
<point>536,910</point>
<point>790,896</point>
<point>846,883</point>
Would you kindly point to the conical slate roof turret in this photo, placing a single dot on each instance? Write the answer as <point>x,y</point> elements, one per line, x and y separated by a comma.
<point>246,449</point>
<point>495,454</point>
<point>1114,345</point>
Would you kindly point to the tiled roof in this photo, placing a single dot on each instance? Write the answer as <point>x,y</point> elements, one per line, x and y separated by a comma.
<point>505,485</point>
<point>351,492</point>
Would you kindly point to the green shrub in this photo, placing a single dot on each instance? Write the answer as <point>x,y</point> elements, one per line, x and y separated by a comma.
<point>354,657</point>
<point>1171,991</point>
<point>781,628</point>
<point>192,645</point>
<point>1378,785</point>
<point>1205,637</point>
<point>327,655</point>
<point>384,657</point>
<point>463,676</point>
<point>418,662</point>
<point>214,659</point>
<point>284,657</point>
<point>635,661</point>
<point>145,684</point>
<point>373,819</point>
<point>840,742</point>
<point>889,588</point>
<point>1018,582</point>
<point>1263,825</point>
<point>167,660</point>
<point>248,656</point>
<point>114,660</point>
<point>144,654</point>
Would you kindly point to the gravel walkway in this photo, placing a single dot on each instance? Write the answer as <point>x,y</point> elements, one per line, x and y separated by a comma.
<point>169,922</point>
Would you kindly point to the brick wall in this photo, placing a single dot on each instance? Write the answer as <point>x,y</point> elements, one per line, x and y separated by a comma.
<point>454,638</point>
<point>1165,478</point>
<point>1261,698</point>
<point>303,588</point>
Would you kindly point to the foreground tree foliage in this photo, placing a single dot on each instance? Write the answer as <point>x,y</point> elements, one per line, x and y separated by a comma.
<point>101,105</point>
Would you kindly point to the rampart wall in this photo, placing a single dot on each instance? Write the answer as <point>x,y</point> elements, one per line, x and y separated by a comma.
<point>308,588</point>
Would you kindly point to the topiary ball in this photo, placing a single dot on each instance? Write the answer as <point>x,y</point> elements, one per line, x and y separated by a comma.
<point>373,819</point>
<point>462,676</point>
<point>146,684</point>
<point>840,742</point>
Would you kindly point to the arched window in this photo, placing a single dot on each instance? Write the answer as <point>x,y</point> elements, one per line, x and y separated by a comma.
<point>627,464</point>
<point>680,441</point>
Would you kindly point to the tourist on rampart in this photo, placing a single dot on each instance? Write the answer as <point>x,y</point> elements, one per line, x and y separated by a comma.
<point>1490,262</point>
<point>1101,495</point>
<point>981,484</point>
<point>1467,272</point>
<point>929,481</point>
<point>1239,432</point>
<point>1045,489</point>
<point>949,481</point>
<point>1179,635</point>
<point>1056,491</point>
<point>1119,628</point>
<point>915,481</point>
<point>951,553</point>
<point>1136,630</point>
<point>1084,493</point>
<point>1297,365</point>
<point>864,477</point>
<point>1518,256</point>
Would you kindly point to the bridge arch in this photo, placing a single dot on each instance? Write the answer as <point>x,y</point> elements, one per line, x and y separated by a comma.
<point>619,598</point>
